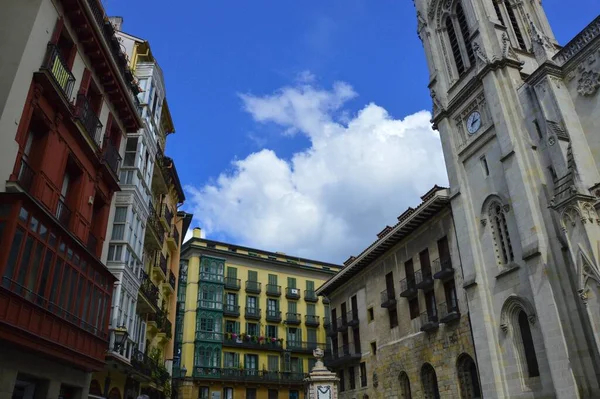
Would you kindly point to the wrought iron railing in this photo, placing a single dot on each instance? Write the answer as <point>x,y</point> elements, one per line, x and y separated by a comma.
<point>155,225</point>
<point>232,283</point>
<point>310,296</point>
<point>89,119</point>
<point>59,69</point>
<point>273,315</point>
<point>242,375</point>
<point>231,310</point>
<point>172,279</point>
<point>292,293</point>
<point>110,156</point>
<point>253,313</point>
<point>149,290</point>
<point>273,289</point>
<point>292,318</point>
<point>311,320</point>
<point>253,287</point>
<point>442,265</point>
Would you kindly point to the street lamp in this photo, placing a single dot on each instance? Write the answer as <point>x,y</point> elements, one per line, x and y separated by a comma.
<point>121,335</point>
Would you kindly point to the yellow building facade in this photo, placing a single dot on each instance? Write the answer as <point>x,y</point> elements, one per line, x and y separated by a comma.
<point>247,321</point>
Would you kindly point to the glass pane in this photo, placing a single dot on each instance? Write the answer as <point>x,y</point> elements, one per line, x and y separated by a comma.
<point>120,214</point>
<point>25,260</point>
<point>56,281</point>
<point>14,253</point>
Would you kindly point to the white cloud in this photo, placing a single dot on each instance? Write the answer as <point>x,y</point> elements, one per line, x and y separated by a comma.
<point>329,200</point>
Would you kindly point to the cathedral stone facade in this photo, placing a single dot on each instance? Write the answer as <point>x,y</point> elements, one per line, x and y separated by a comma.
<point>518,116</point>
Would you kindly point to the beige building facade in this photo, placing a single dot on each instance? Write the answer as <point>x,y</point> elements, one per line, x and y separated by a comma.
<point>400,326</point>
<point>518,119</point>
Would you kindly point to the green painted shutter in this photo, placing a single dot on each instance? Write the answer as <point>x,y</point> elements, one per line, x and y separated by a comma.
<point>291,282</point>
<point>237,327</point>
<point>231,272</point>
<point>310,309</point>
<point>273,363</point>
<point>236,360</point>
<point>310,285</point>
<point>273,279</point>
<point>311,335</point>
<point>252,275</point>
<point>292,307</point>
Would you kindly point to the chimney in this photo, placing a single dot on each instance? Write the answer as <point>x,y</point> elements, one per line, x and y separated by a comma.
<point>197,232</point>
<point>117,22</point>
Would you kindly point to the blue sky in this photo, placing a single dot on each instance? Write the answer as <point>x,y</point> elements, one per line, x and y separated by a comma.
<point>274,180</point>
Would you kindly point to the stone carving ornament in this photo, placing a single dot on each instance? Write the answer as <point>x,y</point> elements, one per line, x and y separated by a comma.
<point>588,84</point>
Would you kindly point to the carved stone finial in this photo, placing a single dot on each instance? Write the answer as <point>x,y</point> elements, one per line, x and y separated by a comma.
<point>481,57</point>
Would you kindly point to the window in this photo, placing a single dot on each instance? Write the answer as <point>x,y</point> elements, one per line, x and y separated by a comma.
<point>370,314</point>
<point>528,347</point>
<point>273,363</point>
<point>271,331</point>
<point>294,394</point>
<point>352,378</point>
<point>291,281</point>
<point>227,393</point>
<point>251,302</point>
<point>342,382</point>
<point>467,377</point>
<point>404,386</point>
<point>506,12</point>
<point>232,326</point>
<point>294,335</point>
<point>500,233</point>
<point>431,305</point>
<point>393,315</point>
<point>363,374</point>
<point>454,46</point>
<point>250,393</point>
<point>252,329</point>
<point>466,35</point>
<point>450,293</point>
<point>118,232</point>
<point>273,394</point>
<point>484,165</point>
<point>374,348</point>
<point>231,360</point>
<point>459,39</point>
<point>311,335</point>
<point>310,309</point>
<point>130,151</point>
<point>231,300</point>
<point>413,305</point>
<point>429,380</point>
<point>272,306</point>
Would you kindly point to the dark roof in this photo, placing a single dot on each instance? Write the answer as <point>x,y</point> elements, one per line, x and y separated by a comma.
<point>173,171</point>
<point>187,220</point>
<point>434,201</point>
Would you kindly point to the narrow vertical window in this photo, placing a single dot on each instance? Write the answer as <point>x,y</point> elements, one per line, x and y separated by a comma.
<point>460,66</point>
<point>501,235</point>
<point>404,386</point>
<point>498,13</point>
<point>530,356</point>
<point>484,164</point>
<point>464,30</point>
<point>515,26</point>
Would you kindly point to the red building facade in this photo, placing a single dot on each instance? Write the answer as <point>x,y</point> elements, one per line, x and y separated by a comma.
<point>55,292</point>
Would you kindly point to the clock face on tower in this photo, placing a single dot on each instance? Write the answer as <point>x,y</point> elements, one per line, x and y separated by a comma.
<point>474,122</point>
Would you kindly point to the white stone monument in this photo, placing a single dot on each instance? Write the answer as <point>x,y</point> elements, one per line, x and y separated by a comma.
<point>321,383</point>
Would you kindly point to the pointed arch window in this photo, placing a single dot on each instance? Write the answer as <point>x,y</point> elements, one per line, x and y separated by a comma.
<point>467,377</point>
<point>501,235</point>
<point>459,38</point>
<point>533,369</point>
<point>430,384</point>
<point>460,66</point>
<point>404,386</point>
<point>507,12</point>
<point>464,30</point>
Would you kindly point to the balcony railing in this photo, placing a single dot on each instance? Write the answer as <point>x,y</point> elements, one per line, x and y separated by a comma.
<point>167,214</point>
<point>301,346</point>
<point>332,330</point>
<point>232,283</point>
<point>248,375</point>
<point>149,290</point>
<point>142,363</point>
<point>423,279</point>
<point>89,119</point>
<point>110,156</point>
<point>175,235</point>
<point>352,318</point>
<point>342,355</point>
<point>63,213</point>
<point>442,268</point>
<point>26,176</point>
<point>162,263</point>
<point>311,320</point>
<point>310,296</point>
<point>252,342</point>
<point>252,313</point>
<point>172,279</point>
<point>162,322</point>
<point>326,322</point>
<point>388,298</point>
<point>253,287</point>
<point>209,336</point>
<point>429,320</point>
<point>273,290</point>
<point>408,289</point>
<point>449,311</point>
<point>231,310</point>
<point>292,318</point>
<point>155,225</point>
<point>59,69</point>
<point>341,324</point>
<point>273,316</point>
<point>292,293</point>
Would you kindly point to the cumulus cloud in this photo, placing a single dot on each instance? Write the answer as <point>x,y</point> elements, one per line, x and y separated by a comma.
<point>329,200</point>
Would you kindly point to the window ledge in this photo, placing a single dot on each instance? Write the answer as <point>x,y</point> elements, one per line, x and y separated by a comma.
<point>510,268</point>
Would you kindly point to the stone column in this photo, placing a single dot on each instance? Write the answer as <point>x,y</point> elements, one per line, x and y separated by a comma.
<point>321,383</point>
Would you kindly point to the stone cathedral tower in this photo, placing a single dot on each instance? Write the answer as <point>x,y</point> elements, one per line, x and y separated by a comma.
<point>519,119</point>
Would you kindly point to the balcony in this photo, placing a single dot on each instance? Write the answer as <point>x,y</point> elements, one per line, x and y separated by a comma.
<point>63,214</point>
<point>235,340</point>
<point>232,283</point>
<point>231,310</point>
<point>252,313</point>
<point>274,316</point>
<point>449,312</point>
<point>423,279</point>
<point>429,321</point>
<point>408,288</point>
<point>88,119</point>
<point>142,363</point>
<point>111,157</point>
<point>161,322</point>
<point>58,70</point>
<point>159,266</point>
<point>172,279</point>
<point>166,216</point>
<point>148,294</point>
<point>326,300</point>
<point>310,296</point>
<point>293,318</point>
<point>273,290</point>
<point>342,356</point>
<point>442,269</point>
<point>326,322</point>
<point>155,233</point>
<point>248,376</point>
<point>292,293</point>
<point>352,318</point>
<point>332,330</point>
<point>311,320</point>
<point>173,239</point>
<point>388,299</point>
<point>306,347</point>
<point>253,287</point>
<point>341,323</point>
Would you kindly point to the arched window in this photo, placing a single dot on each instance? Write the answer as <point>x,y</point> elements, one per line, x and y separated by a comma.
<point>504,248</point>
<point>530,356</point>
<point>429,380</point>
<point>460,66</point>
<point>114,393</point>
<point>505,11</point>
<point>459,37</point>
<point>404,386</point>
<point>464,30</point>
<point>467,377</point>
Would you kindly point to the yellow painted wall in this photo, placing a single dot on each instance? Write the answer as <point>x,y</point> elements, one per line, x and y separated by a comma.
<point>117,380</point>
<point>239,392</point>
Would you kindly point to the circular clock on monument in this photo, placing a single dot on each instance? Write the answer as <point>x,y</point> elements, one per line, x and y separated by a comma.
<point>474,122</point>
